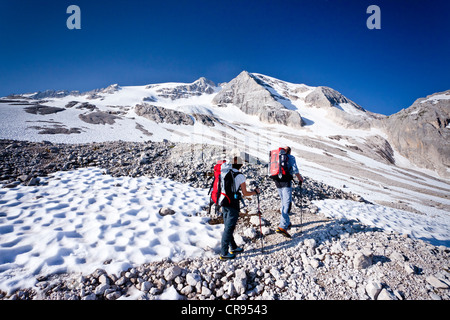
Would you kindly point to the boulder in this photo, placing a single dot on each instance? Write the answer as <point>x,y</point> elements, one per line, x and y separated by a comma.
<point>436,283</point>
<point>164,211</point>
<point>192,279</point>
<point>386,295</point>
<point>373,289</point>
<point>172,272</point>
<point>362,260</point>
<point>240,281</point>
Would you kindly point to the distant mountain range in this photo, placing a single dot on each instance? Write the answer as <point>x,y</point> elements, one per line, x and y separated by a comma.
<point>335,139</point>
<point>419,133</point>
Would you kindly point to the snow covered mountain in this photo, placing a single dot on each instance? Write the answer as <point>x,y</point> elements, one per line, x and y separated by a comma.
<point>85,219</point>
<point>334,139</point>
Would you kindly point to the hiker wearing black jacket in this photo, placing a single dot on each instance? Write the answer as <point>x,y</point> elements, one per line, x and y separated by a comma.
<point>231,212</point>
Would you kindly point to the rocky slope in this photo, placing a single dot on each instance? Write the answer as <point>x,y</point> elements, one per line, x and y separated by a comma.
<point>276,101</point>
<point>421,132</point>
<point>254,97</point>
<point>337,260</point>
<point>325,259</point>
<point>183,91</point>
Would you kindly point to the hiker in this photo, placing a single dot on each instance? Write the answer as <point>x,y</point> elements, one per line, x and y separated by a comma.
<point>284,186</point>
<point>230,210</point>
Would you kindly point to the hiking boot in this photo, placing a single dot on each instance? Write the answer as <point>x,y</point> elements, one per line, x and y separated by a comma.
<point>228,256</point>
<point>283,232</point>
<point>236,250</point>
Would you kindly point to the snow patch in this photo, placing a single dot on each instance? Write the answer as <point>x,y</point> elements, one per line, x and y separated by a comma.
<point>435,230</point>
<point>83,220</point>
<point>437,97</point>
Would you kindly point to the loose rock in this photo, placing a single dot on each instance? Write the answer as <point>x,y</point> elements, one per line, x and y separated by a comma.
<point>325,259</point>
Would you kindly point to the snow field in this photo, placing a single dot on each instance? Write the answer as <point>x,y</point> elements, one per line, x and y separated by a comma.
<point>83,220</point>
<point>435,230</point>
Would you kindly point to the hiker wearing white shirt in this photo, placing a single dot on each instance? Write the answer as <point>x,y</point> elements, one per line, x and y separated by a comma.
<point>231,210</point>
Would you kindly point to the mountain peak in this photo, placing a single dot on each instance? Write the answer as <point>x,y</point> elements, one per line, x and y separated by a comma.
<point>184,90</point>
<point>203,82</point>
<point>255,97</point>
<point>326,97</point>
<point>258,94</point>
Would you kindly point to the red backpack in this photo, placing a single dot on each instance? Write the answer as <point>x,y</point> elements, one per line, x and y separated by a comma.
<point>278,164</point>
<point>215,187</point>
<point>223,191</point>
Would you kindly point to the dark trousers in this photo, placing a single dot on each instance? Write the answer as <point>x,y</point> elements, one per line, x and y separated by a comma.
<point>230,218</point>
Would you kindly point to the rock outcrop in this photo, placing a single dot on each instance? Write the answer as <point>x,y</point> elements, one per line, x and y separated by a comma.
<point>98,117</point>
<point>325,97</point>
<point>421,133</point>
<point>252,96</point>
<point>183,91</point>
<point>340,109</point>
<point>160,114</point>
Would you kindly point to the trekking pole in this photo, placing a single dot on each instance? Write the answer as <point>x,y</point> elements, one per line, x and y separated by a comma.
<point>301,208</point>
<point>260,225</point>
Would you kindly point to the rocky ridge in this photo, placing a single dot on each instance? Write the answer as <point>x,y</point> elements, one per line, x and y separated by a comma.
<point>197,88</point>
<point>254,97</point>
<point>421,132</point>
<point>325,259</point>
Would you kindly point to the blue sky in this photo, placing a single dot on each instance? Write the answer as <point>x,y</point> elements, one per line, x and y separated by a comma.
<point>313,42</point>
